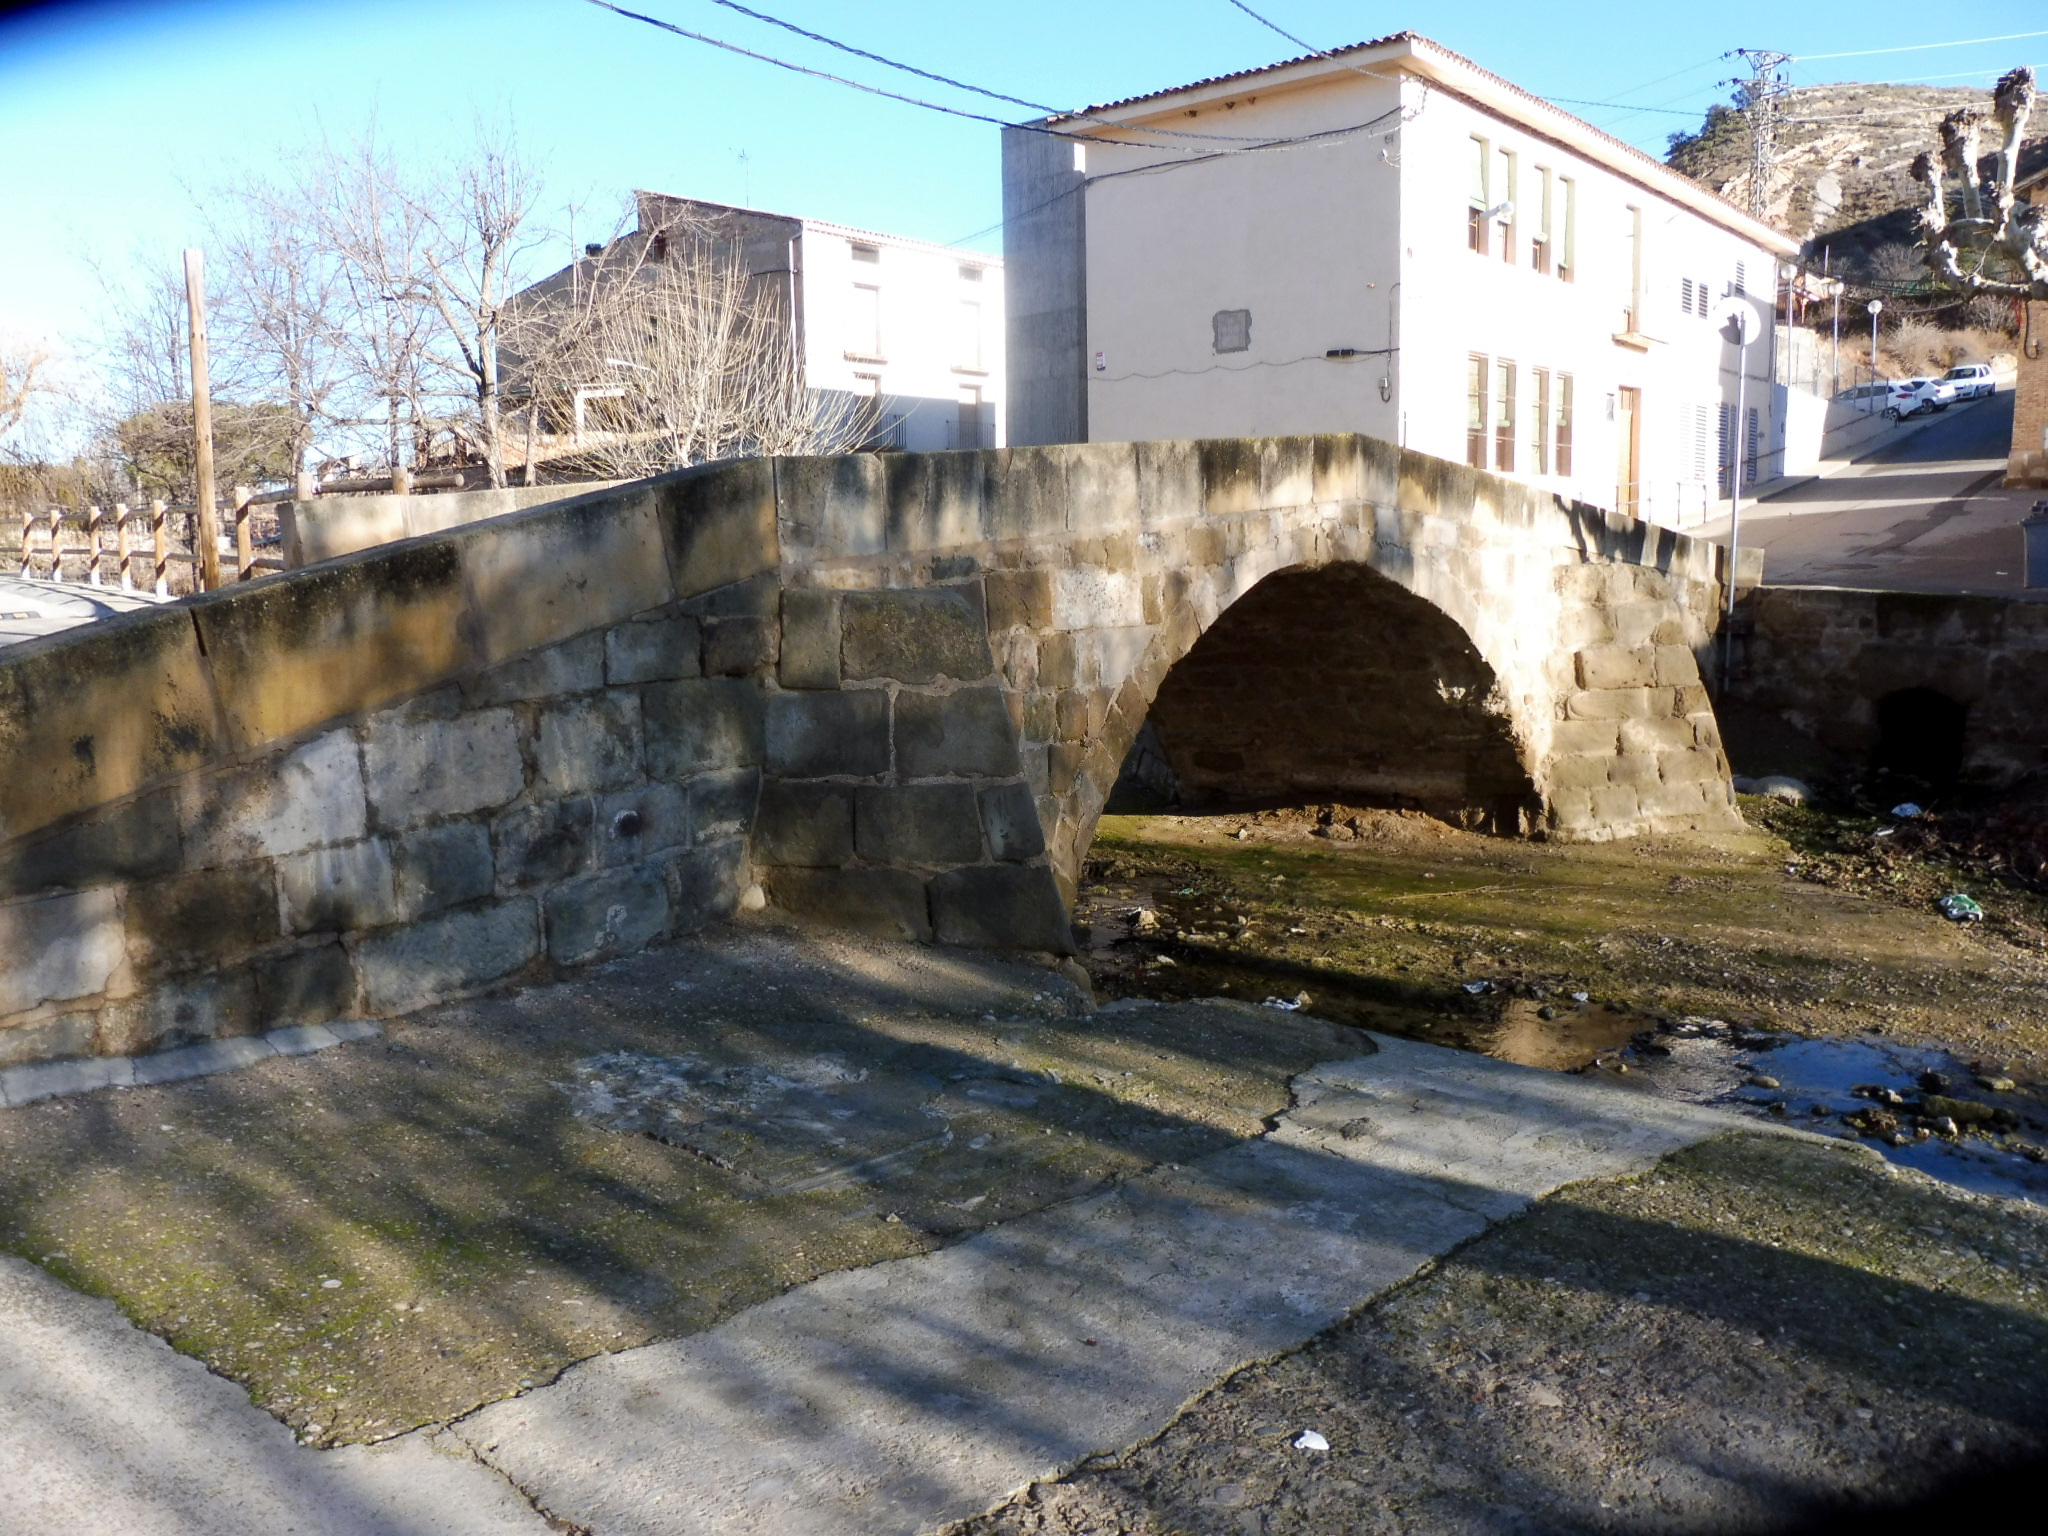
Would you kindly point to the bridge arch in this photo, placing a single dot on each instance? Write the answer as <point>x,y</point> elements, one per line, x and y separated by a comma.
<point>1324,678</point>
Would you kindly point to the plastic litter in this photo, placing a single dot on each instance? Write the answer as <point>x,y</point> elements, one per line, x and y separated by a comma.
<point>1309,1440</point>
<point>1478,987</point>
<point>1906,810</point>
<point>1287,1004</point>
<point>1582,997</point>
<point>1958,908</point>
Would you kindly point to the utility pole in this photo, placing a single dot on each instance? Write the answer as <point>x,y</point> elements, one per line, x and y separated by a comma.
<point>1760,105</point>
<point>202,423</point>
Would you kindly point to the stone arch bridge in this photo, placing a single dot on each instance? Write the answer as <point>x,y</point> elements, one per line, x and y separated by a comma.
<point>893,691</point>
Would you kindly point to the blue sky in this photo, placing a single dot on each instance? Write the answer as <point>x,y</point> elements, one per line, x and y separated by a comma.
<point>112,115</point>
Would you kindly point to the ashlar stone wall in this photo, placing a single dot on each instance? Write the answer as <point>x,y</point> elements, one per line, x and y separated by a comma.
<point>385,781</point>
<point>1812,668</point>
<point>892,691</point>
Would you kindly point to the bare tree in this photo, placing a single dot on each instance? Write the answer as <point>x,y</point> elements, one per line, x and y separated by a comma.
<point>359,215</point>
<point>141,418</point>
<point>26,370</point>
<point>667,351</point>
<point>1996,244</point>
<point>277,308</point>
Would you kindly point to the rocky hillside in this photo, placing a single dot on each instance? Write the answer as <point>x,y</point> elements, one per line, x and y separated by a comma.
<point>1843,178</point>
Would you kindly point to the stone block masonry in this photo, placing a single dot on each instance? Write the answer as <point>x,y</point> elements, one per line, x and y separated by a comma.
<point>1818,675</point>
<point>891,693</point>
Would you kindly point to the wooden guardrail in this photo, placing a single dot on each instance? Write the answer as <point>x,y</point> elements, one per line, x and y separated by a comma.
<point>137,548</point>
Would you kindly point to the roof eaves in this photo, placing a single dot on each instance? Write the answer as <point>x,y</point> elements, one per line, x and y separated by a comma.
<point>1651,169</point>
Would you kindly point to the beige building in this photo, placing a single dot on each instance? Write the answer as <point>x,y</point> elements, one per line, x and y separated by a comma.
<point>1390,240</point>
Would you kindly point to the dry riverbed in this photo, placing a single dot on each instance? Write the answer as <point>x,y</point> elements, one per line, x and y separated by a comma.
<point>1558,955</point>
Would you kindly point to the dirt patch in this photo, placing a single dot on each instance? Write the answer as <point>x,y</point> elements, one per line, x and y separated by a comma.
<point>390,1233</point>
<point>1751,1333</point>
<point>1444,935</point>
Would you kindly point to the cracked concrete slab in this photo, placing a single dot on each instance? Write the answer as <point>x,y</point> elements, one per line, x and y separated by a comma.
<point>106,1428</point>
<point>887,1399</point>
<point>899,1397</point>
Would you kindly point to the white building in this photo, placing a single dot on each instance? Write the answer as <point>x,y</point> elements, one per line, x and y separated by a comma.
<point>1387,240</point>
<point>917,325</point>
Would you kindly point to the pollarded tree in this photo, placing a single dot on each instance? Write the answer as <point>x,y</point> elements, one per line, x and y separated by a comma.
<point>1996,244</point>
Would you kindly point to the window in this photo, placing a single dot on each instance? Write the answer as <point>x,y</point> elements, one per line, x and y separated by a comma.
<point>1539,421</point>
<point>1475,411</point>
<point>1232,330</point>
<point>1702,434</point>
<point>1504,198</point>
<point>1749,445</point>
<point>1539,242</point>
<point>970,274</point>
<point>1685,295</point>
<point>1632,233</point>
<point>967,335</point>
<point>870,255</point>
<point>864,322</point>
<point>1561,439</point>
<point>1504,416</point>
<point>1699,298</point>
<point>1568,251</point>
<point>1724,450</point>
<point>1475,216</point>
<point>1740,287</point>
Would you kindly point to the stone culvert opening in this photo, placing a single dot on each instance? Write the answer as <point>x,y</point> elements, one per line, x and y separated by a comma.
<point>1920,735</point>
<point>1334,683</point>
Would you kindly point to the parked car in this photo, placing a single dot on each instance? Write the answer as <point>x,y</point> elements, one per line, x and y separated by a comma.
<point>1972,380</point>
<point>1909,397</point>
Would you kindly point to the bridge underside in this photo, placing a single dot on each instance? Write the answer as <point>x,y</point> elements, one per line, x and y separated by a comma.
<point>1338,683</point>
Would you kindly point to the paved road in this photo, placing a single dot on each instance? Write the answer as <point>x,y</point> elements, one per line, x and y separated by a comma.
<point>1924,513</point>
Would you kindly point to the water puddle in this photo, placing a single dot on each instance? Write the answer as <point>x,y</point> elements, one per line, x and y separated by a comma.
<point>1963,1122</point>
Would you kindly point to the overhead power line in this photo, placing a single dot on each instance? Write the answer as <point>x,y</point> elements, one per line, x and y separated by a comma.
<point>888,63</point>
<point>1271,26</point>
<point>912,69</point>
<point>1966,42</point>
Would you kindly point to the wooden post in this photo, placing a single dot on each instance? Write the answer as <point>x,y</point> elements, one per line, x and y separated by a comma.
<point>94,532</point>
<point>401,480</point>
<point>124,552</point>
<point>160,535</point>
<point>56,543</point>
<point>245,555</point>
<point>202,423</point>
<point>28,528</point>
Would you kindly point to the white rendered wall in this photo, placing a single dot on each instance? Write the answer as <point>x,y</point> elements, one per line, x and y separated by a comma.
<point>1305,238</point>
<point>1361,239</point>
<point>1456,303</point>
<point>928,353</point>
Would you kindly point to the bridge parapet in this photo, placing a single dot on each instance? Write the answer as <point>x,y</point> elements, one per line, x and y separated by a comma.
<point>891,691</point>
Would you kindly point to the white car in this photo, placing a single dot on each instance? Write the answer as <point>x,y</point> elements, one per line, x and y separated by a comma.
<point>1909,397</point>
<point>1972,380</point>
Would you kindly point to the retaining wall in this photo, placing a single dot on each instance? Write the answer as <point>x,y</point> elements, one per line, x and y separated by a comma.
<point>1812,664</point>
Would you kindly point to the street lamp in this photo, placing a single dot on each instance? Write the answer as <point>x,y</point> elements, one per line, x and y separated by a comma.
<point>1876,308</point>
<point>1738,321</point>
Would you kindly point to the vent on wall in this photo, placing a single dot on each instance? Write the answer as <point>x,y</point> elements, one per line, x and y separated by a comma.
<point>1233,330</point>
